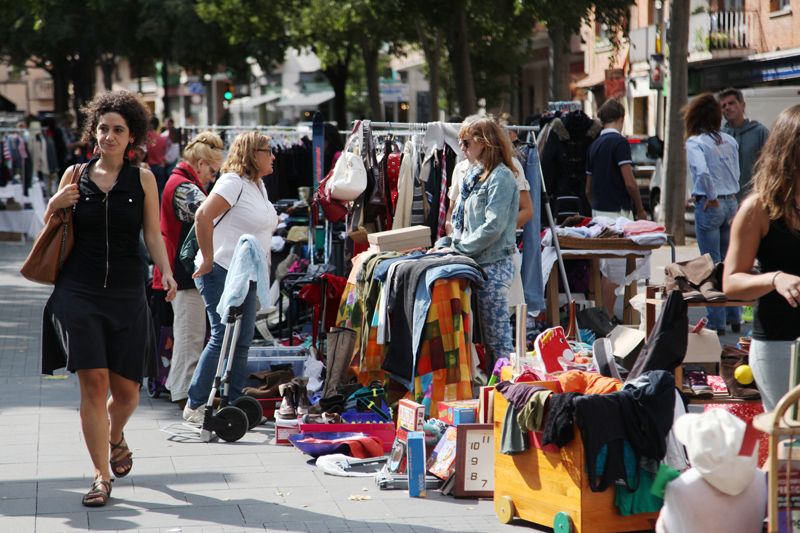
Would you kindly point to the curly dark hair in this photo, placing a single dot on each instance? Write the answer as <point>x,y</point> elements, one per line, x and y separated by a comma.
<point>702,115</point>
<point>126,104</point>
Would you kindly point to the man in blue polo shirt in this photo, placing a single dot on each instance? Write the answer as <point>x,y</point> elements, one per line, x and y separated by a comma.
<point>611,187</point>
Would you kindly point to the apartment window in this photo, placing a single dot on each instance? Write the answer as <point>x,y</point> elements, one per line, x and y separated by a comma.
<point>779,5</point>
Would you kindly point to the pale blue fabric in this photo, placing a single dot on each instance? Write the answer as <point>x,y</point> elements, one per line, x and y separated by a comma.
<point>249,263</point>
<point>713,162</point>
<point>532,283</point>
<point>771,362</point>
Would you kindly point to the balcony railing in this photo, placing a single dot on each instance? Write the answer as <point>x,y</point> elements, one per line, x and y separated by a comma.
<point>723,30</point>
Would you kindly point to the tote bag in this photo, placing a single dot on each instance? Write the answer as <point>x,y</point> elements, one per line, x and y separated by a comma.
<point>349,179</point>
<point>53,244</point>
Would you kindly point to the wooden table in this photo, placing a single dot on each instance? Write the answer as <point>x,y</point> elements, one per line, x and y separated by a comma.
<point>650,320</point>
<point>629,316</point>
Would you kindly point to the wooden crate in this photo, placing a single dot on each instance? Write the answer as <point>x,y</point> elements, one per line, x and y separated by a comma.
<point>540,483</point>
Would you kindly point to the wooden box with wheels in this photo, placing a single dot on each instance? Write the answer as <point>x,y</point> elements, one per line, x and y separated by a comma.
<point>550,486</point>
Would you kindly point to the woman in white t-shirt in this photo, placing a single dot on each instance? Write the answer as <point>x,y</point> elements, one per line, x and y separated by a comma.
<point>238,204</point>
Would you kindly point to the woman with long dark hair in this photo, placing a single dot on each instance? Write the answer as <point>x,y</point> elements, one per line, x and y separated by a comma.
<point>713,162</point>
<point>767,229</point>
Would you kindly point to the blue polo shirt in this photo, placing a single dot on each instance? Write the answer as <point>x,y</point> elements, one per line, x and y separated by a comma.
<point>606,155</point>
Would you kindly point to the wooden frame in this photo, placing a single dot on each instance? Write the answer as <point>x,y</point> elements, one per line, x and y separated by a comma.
<point>481,470</point>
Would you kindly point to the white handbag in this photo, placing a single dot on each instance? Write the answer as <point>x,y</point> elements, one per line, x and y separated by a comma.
<point>349,179</point>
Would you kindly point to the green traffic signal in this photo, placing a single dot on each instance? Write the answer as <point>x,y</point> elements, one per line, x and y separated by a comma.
<point>228,95</point>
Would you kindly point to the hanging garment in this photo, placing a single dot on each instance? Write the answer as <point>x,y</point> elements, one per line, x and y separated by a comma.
<point>532,280</point>
<point>405,188</point>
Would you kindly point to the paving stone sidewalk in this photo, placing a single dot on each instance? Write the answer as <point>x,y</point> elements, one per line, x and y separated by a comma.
<point>175,486</point>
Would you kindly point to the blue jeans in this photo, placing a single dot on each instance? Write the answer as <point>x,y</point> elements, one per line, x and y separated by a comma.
<point>211,286</point>
<point>713,229</point>
<point>493,305</point>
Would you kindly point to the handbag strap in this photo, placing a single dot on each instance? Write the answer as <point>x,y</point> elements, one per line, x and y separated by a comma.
<point>231,207</point>
<point>77,172</point>
<point>356,127</point>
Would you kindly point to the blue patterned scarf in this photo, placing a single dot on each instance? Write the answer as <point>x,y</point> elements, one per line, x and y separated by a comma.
<point>469,184</point>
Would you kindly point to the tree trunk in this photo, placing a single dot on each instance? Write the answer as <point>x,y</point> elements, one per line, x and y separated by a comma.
<point>432,47</point>
<point>559,64</point>
<point>675,164</point>
<point>458,45</point>
<point>61,90</point>
<point>369,53</point>
<point>83,77</point>
<point>107,65</point>
<point>337,76</point>
<point>165,84</point>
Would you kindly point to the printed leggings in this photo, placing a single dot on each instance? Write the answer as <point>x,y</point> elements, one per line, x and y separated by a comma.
<point>494,314</point>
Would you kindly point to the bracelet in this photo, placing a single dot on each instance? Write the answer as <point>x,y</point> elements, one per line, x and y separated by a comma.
<point>774,277</point>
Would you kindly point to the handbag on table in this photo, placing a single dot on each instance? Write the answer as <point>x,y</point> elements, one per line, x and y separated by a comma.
<point>53,244</point>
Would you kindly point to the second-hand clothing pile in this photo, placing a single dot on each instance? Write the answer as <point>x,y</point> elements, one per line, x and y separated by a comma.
<point>412,315</point>
<point>624,429</point>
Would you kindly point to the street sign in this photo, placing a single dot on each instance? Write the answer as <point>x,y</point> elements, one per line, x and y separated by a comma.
<point>196,87</point>
<point>394,91</point>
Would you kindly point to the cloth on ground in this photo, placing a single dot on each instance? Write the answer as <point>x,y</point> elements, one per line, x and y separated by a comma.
<point>249,263</point>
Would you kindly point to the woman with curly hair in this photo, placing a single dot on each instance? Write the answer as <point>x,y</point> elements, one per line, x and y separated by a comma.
<point>237,205</point>
<point>767,229</point>
<point>713,162</point>
<point>97,322</point>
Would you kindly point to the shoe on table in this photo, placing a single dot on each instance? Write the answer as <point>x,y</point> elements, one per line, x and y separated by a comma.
<point>194,416</point>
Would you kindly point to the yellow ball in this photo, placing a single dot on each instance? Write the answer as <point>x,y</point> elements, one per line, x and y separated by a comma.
<point>743,374</point>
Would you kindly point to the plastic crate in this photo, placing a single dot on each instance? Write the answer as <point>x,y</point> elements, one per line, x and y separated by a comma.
<point>265,358</point>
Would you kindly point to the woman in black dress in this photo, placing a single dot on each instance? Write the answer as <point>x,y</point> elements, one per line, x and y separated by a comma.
<point>97,322</point>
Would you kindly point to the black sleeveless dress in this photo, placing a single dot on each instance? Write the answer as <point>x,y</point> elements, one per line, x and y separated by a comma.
<point>97,316</point>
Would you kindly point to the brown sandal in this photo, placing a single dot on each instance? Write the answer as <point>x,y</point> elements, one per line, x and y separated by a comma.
<point>122,465</point>
<point>98,494</point>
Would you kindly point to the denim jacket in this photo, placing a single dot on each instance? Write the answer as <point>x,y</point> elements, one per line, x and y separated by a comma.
<point>490,219</point>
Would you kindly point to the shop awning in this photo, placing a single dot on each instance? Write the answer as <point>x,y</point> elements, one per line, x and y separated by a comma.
<point>254,101</point>
<point>306,100</point>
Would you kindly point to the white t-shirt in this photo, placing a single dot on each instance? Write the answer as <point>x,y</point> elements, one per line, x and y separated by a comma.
<point>460,172</point>
<point>253,213</point>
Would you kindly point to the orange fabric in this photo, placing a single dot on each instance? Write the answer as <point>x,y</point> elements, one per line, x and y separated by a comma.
<point>588,382</point>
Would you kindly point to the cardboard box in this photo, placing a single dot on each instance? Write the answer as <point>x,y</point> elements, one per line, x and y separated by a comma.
<point>401,239</point>
<point>285,428</point>
<point>626,343</point>
<point>269,406</point>
<point>410,415</point>
<point>458,411</point>
<point>417,487</point>
<point>703,347</point>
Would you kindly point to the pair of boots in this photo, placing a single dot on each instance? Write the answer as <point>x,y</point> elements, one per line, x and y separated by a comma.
<point>339,354</point>
<point>295,399</point>
<point>270,381</point>
<point>698,279</point>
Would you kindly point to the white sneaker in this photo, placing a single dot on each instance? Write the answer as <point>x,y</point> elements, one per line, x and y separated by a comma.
<point>194,416</point>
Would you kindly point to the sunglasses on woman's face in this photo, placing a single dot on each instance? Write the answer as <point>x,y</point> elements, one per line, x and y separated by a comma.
<point>464,143</point>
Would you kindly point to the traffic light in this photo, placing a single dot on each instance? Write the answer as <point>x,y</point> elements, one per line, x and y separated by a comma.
<point>229,92</point>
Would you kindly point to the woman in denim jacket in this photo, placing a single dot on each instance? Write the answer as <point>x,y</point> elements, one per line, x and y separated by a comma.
<point>484,227</point>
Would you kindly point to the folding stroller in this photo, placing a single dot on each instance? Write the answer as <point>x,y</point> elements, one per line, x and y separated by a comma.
<point>231,421</point>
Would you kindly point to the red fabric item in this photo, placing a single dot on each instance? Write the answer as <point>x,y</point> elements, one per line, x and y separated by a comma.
<point>156,149</point>
<point>744,410</point>
<point>393,174</point>
<point>170,225</point>
<point>360,447</point>
<point>312,294</point>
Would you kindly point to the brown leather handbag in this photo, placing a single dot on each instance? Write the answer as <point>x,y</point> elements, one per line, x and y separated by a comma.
<point>53,244</point>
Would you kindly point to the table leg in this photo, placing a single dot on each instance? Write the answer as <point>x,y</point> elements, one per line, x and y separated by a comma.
<point>629,315</point>
<point>597,285</point>
<point>552,297</point>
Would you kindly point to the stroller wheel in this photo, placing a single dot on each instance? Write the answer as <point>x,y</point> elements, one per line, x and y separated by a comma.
<point>251,408</point>
<point>231,423</point>
<point>153,390</point>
